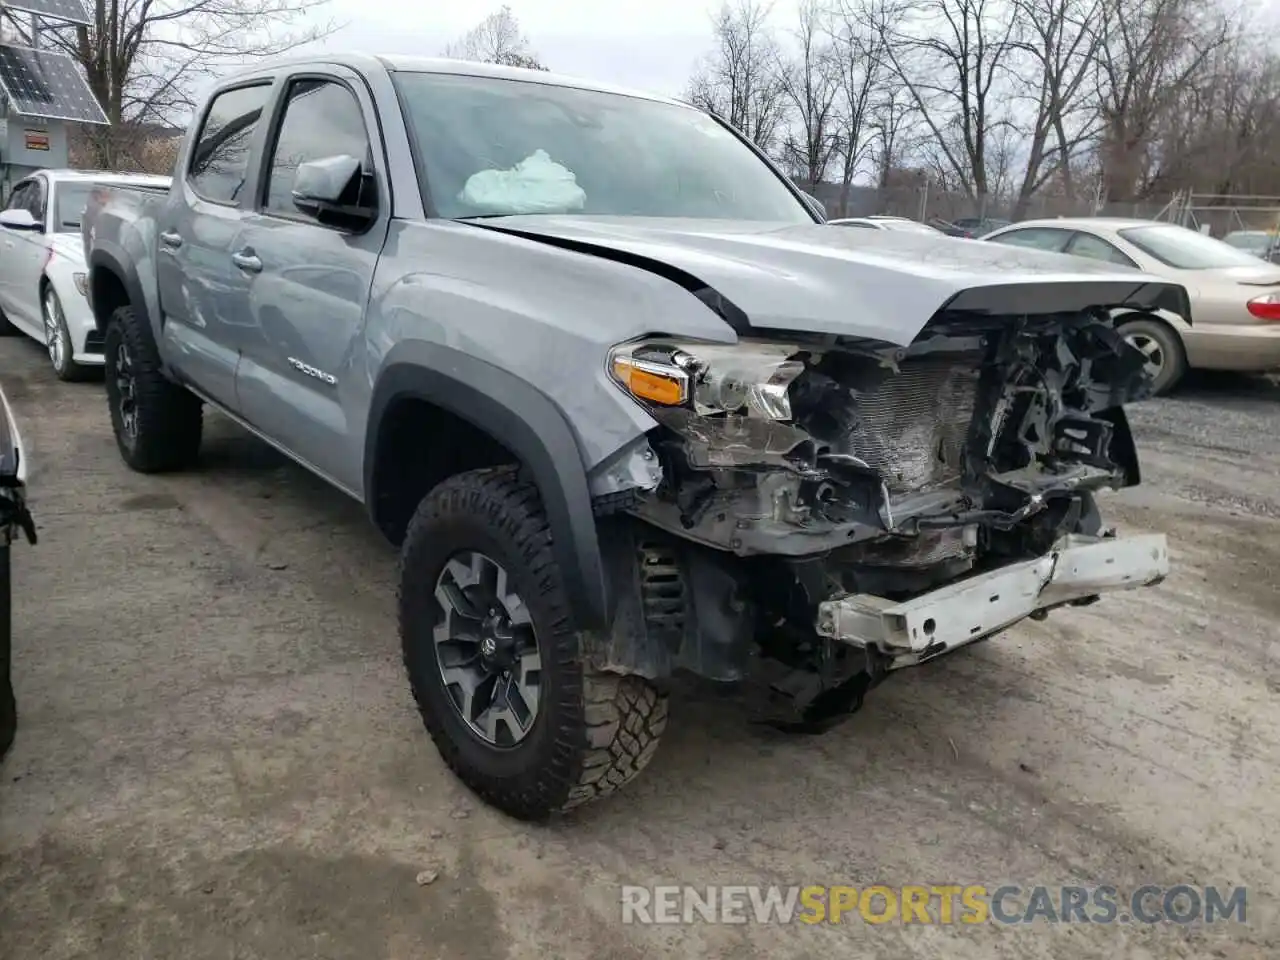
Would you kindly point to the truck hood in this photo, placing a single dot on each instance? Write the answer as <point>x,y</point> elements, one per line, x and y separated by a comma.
<point>878,285</point>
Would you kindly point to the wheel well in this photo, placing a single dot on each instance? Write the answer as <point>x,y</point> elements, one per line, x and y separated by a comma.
<point>419,445</point>
<point>107,294</point>
<point>1150,318</point>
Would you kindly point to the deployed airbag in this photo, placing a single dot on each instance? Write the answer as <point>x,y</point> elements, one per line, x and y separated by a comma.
<point>537,184</point>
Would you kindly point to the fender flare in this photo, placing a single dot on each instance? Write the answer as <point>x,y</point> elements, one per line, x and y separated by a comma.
<point>526,422</point>
<point>106,256</point>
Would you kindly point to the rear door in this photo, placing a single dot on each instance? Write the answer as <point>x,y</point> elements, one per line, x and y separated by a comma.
<point>202,293</point>
<point>309,280</point>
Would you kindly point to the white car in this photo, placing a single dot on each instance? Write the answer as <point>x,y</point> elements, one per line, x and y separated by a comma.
<point>42,269</point>
<point>884,222</point>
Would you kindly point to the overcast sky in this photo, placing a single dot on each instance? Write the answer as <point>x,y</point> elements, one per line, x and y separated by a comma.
<point>646,44</point>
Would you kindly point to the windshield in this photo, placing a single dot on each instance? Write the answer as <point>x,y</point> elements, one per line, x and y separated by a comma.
<point>1185,249</point>
<point>494,147</point>
<point>70,201</point>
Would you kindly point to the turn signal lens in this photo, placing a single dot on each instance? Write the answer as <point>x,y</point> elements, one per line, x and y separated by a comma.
<point>1266,307</point>
<point>651,382</point>
<point>82,283</point>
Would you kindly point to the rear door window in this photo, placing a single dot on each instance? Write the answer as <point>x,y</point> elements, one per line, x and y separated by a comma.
<point>1095,248</point>
<point>1037,238</point>
<point>220,161</point>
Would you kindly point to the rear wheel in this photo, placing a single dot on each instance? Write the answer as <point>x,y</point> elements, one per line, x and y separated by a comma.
<point>495,664</point>
<point>58,339</point>
<point>1161,345</point>
<point>156,422</point>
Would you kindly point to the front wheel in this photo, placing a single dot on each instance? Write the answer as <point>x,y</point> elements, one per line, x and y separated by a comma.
<point>495,665</point>
<point>57,339</point>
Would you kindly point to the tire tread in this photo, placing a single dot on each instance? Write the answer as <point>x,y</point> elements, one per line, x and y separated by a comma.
<point>608,725</point>
<point>170,417</point>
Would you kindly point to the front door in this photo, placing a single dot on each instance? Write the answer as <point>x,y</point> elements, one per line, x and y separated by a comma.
<point>203,295</point>
<point>310,281</point>
<point>24,253</point>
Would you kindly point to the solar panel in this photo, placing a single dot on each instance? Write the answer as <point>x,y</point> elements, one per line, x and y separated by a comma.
<point>71,11</point>
<point>40,83</point>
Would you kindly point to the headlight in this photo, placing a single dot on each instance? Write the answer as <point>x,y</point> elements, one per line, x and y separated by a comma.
<point>82,283</point>
<point>744,379</point>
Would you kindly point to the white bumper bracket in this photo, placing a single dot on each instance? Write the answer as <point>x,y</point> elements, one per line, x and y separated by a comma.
<point>1078,567</point>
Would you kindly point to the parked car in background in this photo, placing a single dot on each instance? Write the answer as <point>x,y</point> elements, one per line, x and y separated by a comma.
<point>970,227</point>
<point>1264,244</point>
<point>884,223</point>
<point>42,270</point>
<point>1235,298</point>
<point>14,519</point>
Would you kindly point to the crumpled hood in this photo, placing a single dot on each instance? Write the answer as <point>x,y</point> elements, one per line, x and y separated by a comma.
<point>824,279</point>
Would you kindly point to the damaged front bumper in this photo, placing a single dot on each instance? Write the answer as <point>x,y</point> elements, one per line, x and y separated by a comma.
<point>1077,570</point>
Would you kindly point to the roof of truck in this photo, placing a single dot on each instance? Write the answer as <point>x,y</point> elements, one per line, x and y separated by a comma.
<point>362,62</point>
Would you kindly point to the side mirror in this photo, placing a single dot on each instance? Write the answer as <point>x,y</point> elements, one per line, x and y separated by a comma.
<point>816,205</point>
<point>331,190</point>
<point>18,219</point>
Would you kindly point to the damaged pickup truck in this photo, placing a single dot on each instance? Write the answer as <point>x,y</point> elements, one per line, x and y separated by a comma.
<point>626,405</point>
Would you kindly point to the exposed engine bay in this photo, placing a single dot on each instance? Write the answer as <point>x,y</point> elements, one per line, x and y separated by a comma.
<point>797,474</point>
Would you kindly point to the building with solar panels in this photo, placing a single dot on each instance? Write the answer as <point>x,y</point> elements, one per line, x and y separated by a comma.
<point>42,93</point>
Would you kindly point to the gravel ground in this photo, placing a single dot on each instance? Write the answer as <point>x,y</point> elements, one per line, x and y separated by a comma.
<point>218,755</point>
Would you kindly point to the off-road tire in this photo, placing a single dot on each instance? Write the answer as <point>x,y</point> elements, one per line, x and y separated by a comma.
<point>1174,366</point>
<point>593,731</point>
<point>170,418</point>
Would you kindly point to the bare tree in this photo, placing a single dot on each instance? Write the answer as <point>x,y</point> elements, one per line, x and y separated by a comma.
<point>1151,52</point>
<point>1059,46</point>
<point>496,39</point>
<point>811,83</point>
<point>952,56</point>
<point>144,59</point>
<point>859,61</point>
<point>739,80</point>
<point>891,120</point>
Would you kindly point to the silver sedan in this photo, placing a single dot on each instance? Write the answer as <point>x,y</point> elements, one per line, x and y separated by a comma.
<point>1235,297</point>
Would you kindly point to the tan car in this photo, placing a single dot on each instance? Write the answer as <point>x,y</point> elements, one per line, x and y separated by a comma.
<point>1235,297</point>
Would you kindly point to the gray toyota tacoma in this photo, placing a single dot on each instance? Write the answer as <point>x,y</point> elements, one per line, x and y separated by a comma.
<point>627,406</point>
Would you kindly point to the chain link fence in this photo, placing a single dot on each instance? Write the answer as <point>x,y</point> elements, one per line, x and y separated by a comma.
<point>925,204</point>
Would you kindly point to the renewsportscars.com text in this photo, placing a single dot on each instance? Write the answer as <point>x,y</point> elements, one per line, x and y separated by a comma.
<point>932,904</point>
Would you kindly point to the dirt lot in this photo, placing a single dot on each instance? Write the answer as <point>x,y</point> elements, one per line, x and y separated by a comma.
<point>218,755</point>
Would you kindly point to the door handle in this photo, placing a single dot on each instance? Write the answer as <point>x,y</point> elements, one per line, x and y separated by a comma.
<point>171,240</point>
<point>247,261</point>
